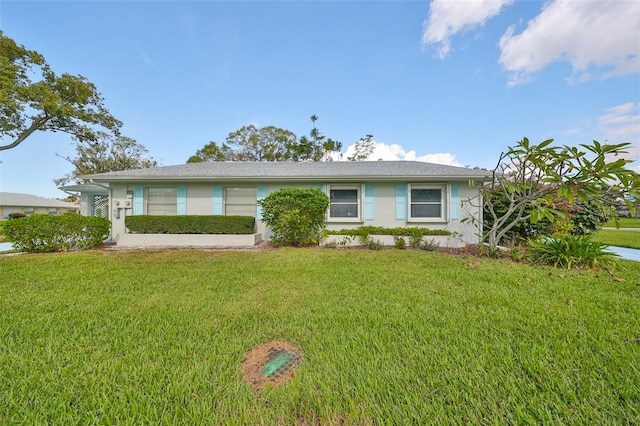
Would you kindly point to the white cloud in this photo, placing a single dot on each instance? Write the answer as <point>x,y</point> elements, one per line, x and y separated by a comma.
<point>598,38</point>
<point>146,58</point>
<point>395,152</point>
<point>449,17</point>
<point>621,123</point>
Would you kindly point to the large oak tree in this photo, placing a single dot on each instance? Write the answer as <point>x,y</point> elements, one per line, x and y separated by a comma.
<point>34,98</point>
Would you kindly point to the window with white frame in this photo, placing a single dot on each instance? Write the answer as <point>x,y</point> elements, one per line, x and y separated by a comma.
<point>162,201</point>
<point>240,201</point>
<point>345,203</point>
<point>426,202</point>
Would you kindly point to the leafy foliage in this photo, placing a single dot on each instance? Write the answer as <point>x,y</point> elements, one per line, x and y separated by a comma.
<point>65,103</point>
<point>269,143</point>
<point>147,224</point>
<point>399,242</point>
<point>365,231</point>
<point>582,217</point>
<point>531,178</point>
<point>69,232</point>
<point>107,153</point>
<point>295,216</point>
<point>363,149</point>
<point>250,144</point>
<point>316,147</point>
<point>570,251</point>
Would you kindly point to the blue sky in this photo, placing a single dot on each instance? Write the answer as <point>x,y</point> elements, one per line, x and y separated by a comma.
<point>454,82</point>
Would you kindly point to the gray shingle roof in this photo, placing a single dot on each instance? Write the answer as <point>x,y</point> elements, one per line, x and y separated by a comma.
<point>331,170</point>
<point>27,200</point>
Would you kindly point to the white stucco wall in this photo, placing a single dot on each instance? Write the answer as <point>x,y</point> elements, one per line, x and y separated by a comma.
<point>199,202</point>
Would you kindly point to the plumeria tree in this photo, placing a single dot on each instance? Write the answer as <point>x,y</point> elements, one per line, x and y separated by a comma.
<point>532,179</point>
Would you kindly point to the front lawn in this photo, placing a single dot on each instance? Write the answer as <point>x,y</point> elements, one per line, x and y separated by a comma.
<point>624,222</point>
<point>617,237</point>
<point>388,337</point>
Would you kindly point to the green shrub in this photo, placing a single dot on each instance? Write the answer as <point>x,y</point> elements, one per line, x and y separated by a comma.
<point>43,233</point>
<point>374,244</point>
<point>570,251</point>
<point>295,216</point>
<point>399,242</point>
<point>365,231</point>
<point>144,224</point>
<point>430,245</point>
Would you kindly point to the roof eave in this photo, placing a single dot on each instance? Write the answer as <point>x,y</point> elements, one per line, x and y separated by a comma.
<point>286,178</point>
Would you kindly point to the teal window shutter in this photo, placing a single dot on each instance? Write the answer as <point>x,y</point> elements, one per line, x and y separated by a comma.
<point>261,194</point>
<point>401,202</point>
<point>455,203</point>
<point>368,202</point>
<point>138,200</point>
<point>217,200</point>
<point>317,186</point>
<point>181,207</point>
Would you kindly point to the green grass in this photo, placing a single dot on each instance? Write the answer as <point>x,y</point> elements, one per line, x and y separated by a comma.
<point>389,337</point>
<point>624,222</point>
<point>616,237</point>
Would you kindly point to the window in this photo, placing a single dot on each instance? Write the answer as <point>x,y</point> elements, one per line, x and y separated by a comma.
<point>162,201</point>
<point>426,202</point>
<point>344,203</point>
<point>240,201</point>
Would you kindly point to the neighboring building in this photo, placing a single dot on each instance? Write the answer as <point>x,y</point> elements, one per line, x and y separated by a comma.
<point>27,204</point>
<point>369,193</point>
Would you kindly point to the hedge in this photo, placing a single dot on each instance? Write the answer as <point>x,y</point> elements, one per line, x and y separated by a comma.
<point>143,224</point>
<point>365,231</point>
<point>69,232</point>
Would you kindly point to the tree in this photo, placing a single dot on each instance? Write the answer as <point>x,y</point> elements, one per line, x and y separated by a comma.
<point>107,153</point>
<point>213,152</point>
<point>268,143</point>
<point>534,178</point>
<point>250,144</point>
<point>363,149</point>
<point>577,218</point>
<point>265,144</point>
<point>65,103</point>
<point>317,147</point>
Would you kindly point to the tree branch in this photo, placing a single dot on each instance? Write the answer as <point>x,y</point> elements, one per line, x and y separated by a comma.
<point>35,125</point>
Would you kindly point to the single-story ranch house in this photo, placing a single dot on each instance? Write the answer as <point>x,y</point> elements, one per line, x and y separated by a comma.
<point>369,193</point>
<point>27,204</point>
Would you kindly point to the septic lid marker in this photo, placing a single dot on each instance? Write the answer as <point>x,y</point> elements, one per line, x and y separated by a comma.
<point>271,362</point>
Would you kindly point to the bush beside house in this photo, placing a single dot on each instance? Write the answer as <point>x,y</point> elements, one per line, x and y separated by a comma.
<point>147,224</point>
<point>43,233</point>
